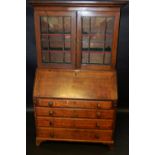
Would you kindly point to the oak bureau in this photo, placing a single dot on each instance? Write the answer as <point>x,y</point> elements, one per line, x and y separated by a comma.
<point>75,87</point>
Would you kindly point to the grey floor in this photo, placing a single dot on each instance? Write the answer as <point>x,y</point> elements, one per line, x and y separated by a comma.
<point>65,148</point>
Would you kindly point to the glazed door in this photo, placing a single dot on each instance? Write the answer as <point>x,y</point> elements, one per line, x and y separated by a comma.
<point>97,34</point>
<point>55,34</point>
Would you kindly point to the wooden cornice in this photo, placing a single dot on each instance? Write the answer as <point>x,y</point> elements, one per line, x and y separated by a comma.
<point>108,3</point>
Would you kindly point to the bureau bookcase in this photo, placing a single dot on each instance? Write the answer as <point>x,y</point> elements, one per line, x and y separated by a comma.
<point>75,87</point>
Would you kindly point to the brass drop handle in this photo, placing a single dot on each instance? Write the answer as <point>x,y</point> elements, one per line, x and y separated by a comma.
<point>50,104</point>
<point>51,113</point>
<point>96,136</point>
<point>98,105</point>
<point>98,114</point>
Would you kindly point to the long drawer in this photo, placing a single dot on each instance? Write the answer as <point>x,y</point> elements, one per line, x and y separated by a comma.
<point>74,104</point>
<point>75,113</point>
<point>74,123</point>
<point>75,134</point>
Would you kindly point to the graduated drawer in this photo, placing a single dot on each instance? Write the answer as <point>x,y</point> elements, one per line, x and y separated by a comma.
<point>74,104</point>
<point>75,134</point>
<point>74,123</point>
<point>75,113</point>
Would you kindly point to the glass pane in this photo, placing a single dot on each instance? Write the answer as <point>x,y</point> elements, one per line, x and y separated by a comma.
<point>98,24</point>
<point>55,24</point>
<point>67,24</point>
<point>45,42</point>
<point>56,42</point>
<point>55,39</point>
<point>86,25</point>
<point>97,35</point>
<point>44,24</point>
<point>45,56</point>
<point>96,57</point>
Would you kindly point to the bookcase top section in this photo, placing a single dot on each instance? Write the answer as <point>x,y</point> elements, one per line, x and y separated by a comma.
<point>109,3</point>
<point>75,84</point>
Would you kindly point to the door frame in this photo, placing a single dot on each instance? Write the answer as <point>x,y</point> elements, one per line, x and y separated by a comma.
<point>37,15</point>
<point>91,13</point>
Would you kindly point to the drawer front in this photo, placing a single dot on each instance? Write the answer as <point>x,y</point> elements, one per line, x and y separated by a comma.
<point>75,134</point>
<point>74,104</point>
<point>74,123</point>
<point>75,113</point>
